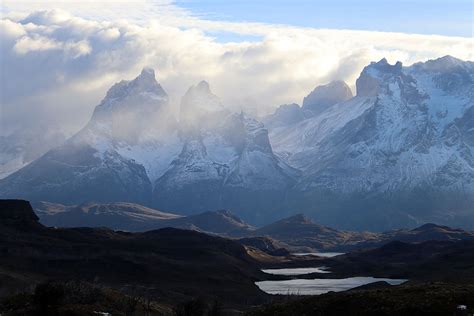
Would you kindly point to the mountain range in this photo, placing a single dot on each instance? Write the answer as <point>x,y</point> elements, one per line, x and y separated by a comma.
<point>295,234</point>
<point>300,234</point>
<point>397,153</point>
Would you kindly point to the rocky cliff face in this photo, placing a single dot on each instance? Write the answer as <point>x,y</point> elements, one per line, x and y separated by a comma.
<point>286,114</point>
<point>323,97</point>
<point>399,153</point>
<point>225,166</point>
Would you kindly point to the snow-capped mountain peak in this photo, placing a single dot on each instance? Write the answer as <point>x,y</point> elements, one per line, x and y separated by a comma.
<point>449,74</point>
<point>147,72</point>
<point>284,115</point>
<point>143,87</point>
<point>375,76</point>
<point>398,153</point>
<point>198,102</point>
<point>324,96</point>
<point>203,85</point>
<point>257,135</point>
<point>132,110</point>
<point>402,143</point>
<point>442,64</point>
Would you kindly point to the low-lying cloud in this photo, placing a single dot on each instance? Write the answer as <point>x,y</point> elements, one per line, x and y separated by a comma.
<point>56,66</point>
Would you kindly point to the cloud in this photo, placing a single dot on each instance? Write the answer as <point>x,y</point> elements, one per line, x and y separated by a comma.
<point>28,44</point>
<point>57,65</point>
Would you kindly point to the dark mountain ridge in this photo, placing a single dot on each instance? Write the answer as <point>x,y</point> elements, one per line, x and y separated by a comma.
<point>137,218</point>
<point>297,233</point>
<point>172,264</point>
<point>300,233</point>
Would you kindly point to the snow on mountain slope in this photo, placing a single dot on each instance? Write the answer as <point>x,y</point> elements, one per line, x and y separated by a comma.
<point>193,165</point>
<point>398,153</point>
<point>323,97</point>
<point>134,120</point>
<point>400,140</point>
<point>402,147</point>
<point>11,162</point>
<point>319,100</point>
<point>257,167</point>
<point>105,160</point>
<point>155,156</point>
<point>225,157</point>
<point>77,173</point>
<point>134,150</point>
<point>286,114</point>
<point>299,142</point>
<point>19,148</point>
<point>199,102</point>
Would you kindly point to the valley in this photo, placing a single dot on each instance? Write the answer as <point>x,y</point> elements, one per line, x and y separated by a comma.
<point>172,267</point>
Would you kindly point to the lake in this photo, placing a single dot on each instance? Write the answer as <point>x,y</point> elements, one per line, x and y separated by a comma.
<point>319,286</point>
<point>296,271</point>
<point>319,254</point>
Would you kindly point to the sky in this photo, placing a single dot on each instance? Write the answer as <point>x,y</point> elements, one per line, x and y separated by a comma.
<point>59,57</point>
<point>452,18</point>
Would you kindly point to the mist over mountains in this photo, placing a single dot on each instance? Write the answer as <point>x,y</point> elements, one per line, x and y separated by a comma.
<point>397,153</point>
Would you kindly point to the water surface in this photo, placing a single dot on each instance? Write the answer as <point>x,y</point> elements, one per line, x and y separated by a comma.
<point>320,254</point>
<point>319,286</point>
<point>296,271</point>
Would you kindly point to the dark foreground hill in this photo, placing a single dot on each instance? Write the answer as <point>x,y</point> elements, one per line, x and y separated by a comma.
<point>170,264</point>
<point>429,260</point>
<point>433,299</point>
<point>96,269</point>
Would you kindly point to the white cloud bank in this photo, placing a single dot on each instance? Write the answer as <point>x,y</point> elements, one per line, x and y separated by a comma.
<point>57,65</point>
